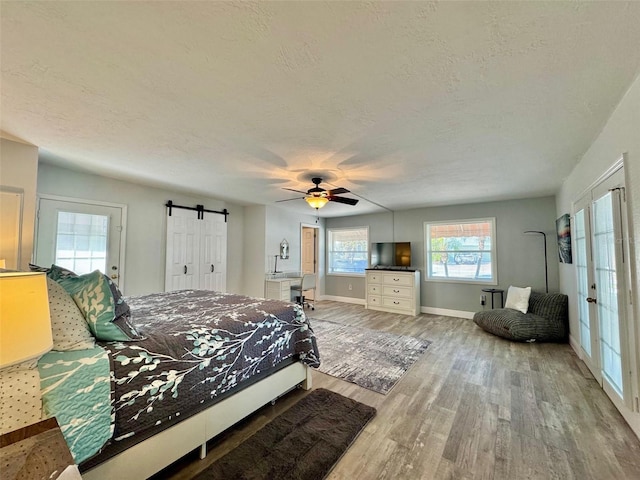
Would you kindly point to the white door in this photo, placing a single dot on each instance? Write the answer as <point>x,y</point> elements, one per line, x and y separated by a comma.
<point>183,250</point>
<point>602,271</point>
<point>309,250</point>
<point>213,252</point>
<point>81,235</point>
<point>587,313</point>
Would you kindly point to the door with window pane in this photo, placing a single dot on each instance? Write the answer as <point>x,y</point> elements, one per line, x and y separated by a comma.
<point>82,237</point>
<point>601,266</point>
<point>587,314</point>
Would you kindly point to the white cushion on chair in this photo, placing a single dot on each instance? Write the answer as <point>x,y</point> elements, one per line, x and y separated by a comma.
<point>518,298</point>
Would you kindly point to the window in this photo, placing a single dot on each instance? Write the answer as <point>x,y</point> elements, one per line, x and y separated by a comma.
<point>348,250</point>
<point>81,242</point>
<point>461,251</point>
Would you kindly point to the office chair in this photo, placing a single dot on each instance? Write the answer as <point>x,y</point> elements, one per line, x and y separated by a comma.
<point>308,283</point>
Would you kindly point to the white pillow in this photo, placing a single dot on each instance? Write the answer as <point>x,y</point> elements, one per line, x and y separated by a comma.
<point>68,326</point>
<point>518,298</point>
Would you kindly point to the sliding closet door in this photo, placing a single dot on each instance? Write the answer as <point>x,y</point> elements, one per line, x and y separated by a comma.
<point>196,255</point>
<point>213,252</point>
<point>183,244</point>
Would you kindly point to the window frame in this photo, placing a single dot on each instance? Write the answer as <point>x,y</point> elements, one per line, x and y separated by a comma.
<point>493,281</point>
<point>330,231</point>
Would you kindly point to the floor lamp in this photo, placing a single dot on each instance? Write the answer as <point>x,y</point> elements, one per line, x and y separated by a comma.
<point>546,270</point>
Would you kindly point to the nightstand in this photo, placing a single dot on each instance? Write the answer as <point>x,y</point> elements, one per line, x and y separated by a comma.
<point>37,451</point>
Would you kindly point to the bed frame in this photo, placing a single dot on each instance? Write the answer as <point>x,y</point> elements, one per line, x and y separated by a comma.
<point>152,455</point>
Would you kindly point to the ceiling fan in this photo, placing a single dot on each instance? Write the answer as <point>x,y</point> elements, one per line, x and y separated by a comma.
<point>317,197</point>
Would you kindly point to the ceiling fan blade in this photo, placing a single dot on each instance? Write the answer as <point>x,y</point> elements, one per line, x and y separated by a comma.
<point>347,201</point>
<point>292,190</point>
<point>289,199</point>
<point>337,191</point>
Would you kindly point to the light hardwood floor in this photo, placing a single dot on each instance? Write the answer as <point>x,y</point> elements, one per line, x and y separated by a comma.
<point>473,406</point>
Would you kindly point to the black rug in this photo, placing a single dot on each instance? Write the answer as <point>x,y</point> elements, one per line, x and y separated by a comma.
<point>302,443</point>
<point>370,358</point>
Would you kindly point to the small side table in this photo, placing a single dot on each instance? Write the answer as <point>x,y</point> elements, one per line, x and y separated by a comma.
<point>493,291</point>
<point>37,451</point>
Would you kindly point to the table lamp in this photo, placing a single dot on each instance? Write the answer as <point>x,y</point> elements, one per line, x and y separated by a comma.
<point>25,322</point>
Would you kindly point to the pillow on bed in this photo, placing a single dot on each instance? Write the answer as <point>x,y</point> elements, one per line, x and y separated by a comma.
<point>124,323</point>
<point>20,400</point>
<point>69,328</point>
<point>93,296</point>
<point>54,272</point>
<point>57,272</point>
<point>121,306</point>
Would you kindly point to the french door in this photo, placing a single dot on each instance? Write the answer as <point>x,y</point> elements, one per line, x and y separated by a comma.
<point>80,235</point>
<point>602,268</point>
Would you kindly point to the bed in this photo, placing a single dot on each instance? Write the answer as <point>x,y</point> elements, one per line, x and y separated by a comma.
<point>194,363</point>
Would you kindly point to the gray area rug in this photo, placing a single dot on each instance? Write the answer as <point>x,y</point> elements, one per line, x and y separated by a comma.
<point>370,358</point>
<point>302,443</point>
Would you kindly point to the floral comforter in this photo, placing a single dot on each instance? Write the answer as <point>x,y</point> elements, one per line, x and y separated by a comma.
<point>198,345</point>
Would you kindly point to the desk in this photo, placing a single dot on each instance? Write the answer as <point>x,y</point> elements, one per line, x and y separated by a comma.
<point>280,288</point>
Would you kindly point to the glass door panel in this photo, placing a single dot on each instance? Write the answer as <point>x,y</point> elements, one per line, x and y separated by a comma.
<point>582,272</point>
<point>81,242</point>
<point>606,267</point>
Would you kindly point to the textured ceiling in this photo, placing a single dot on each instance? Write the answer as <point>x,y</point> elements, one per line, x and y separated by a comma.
<point>406,104</point>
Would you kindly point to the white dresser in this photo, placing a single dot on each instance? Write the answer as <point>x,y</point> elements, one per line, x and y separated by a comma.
<point>393,291</point>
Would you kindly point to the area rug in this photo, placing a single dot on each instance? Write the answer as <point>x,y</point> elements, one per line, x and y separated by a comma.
<point>302,443</point>
<point>370,358</point>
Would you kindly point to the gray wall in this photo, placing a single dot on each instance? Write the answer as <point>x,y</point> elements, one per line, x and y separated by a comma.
<point>18,171</point>
<point>520,257</point>
<point>146,223</point>
<point>620,135</point>
<point>254,247</point>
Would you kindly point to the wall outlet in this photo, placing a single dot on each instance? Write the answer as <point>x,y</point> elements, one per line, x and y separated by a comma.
<point>350,287</point>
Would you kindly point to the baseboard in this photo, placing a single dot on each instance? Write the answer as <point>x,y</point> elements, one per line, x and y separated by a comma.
<point>575,345</point>
<point>434,311</point>
<point>447,312</point>
<point>335,298</point>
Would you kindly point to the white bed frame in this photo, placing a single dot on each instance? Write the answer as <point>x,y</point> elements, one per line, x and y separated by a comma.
<point>152,455</point>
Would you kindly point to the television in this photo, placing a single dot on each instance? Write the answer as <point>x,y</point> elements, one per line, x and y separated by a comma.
<point>390,254</point>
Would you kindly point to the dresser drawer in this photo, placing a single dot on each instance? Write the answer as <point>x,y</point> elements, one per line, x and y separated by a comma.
<point>399,303</point>
<point>374,300</point>
<point>374,289</point>
<point>374,278</point>
<point>400,292</point>
<point>402,280</point>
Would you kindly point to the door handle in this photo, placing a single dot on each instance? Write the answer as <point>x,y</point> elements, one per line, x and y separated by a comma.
<point>591,300</point>
<point>212,268</point>
<point>185,269</point>
<point>114,276</point>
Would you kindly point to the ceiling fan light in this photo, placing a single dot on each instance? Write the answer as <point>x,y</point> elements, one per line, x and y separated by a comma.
<point>317,202</point>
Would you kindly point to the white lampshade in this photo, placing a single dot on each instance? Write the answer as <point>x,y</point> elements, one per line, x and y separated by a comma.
<point>25,321</point>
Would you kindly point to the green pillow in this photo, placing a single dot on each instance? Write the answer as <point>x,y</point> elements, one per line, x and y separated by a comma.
<point>92,294</point>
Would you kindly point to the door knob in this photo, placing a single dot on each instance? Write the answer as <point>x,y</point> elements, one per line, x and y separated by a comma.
<point>591,300</point>
<point>114,276</point>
